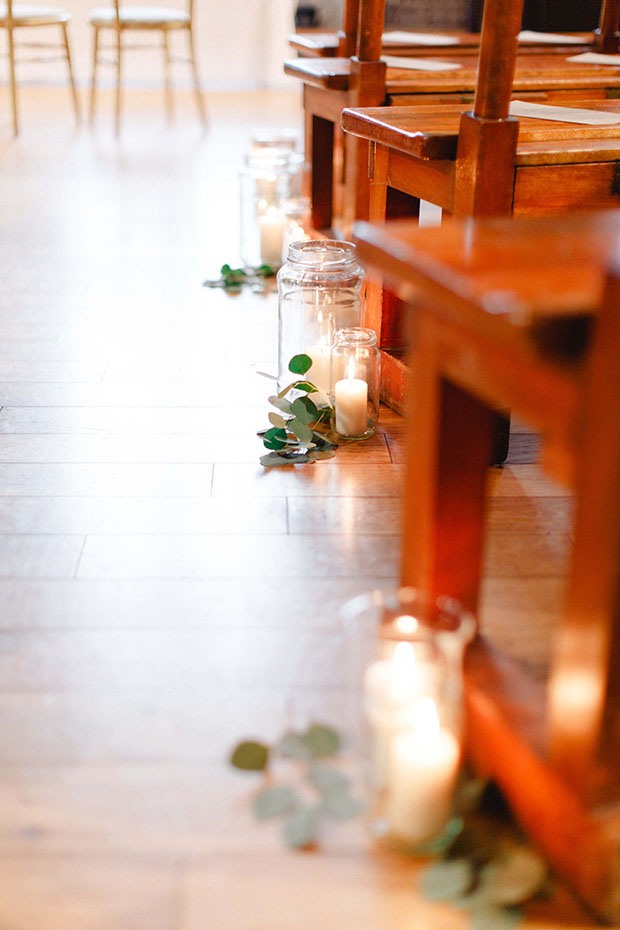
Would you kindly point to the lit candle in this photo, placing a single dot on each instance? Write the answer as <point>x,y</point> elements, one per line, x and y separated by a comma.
<point>391,686</point>
<point>351,403</point>
<point>318,374</point>
<point>422,769</point>
<point>271,226</point>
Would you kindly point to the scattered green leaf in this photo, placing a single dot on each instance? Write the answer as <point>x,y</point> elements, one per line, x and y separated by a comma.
<point>447,880</point>
<point>323,741</point>
<point>301,829</point>
<point>250,756</point>
<point>274,801</point>
<point>516,877</point>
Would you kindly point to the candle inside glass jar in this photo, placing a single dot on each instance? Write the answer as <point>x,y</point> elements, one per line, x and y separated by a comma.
<point>351,403</point>
<point>271,227</point>
<point>422,770</point>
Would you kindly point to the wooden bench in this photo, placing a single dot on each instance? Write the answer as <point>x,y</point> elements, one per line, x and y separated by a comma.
<point>481,162</point>
<point>521,313</point>
<point>337,183</point>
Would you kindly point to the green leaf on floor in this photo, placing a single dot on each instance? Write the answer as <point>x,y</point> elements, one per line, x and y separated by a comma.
<point>447,880</point>
<point>301,829</point>
<point>516,877</point>
<point>274,801</point>
<point>322,740</point>
<point>250,756</point>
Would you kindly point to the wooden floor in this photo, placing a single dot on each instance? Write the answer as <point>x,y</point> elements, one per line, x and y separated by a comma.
<point>161,595</point>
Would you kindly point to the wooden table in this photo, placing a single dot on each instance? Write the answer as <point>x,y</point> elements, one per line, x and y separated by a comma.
<point>524,314</point>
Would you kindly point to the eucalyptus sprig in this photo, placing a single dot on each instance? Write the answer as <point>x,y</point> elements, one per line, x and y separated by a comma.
<point>300,426</point>
<point>486,865</point>
<point>312,789</point>
<point>233,279</point>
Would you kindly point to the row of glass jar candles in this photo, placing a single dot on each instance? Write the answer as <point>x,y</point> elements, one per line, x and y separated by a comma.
<point>319,285</point>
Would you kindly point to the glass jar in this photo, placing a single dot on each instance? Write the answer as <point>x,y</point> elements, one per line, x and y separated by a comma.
<point>405,653</point>
<point>319,292</point>
<point>269,178</point>
<point>355,383</point>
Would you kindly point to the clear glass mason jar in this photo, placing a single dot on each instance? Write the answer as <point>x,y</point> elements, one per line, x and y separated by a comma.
<point>269,178</point>
<point>319,292</point>
<point>355,383</point>
<point>405,657</point>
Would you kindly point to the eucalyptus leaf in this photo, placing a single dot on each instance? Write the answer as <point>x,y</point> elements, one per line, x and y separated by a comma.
<point>293,746</point>
<point>341,804</point>
<point>274,460</point>
<point>447,880</point>
<point>301,829</point>
<point>326,778</point>
<point>274,801</point>
<point>276,420</point>
<point>305,386</point>
<point>300,364</point>
<point>487,917</point>
<point>280,403</point>
<point>250,756</point>
<point>321,454</point>
<point>322,740</point>
<point>515,878</point>
<point>303,432</point>
<point>305,409</point>
<point>275,438</point>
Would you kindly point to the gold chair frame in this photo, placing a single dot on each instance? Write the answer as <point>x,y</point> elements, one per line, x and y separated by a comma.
<point>16,17</point>
<point>123,19</point>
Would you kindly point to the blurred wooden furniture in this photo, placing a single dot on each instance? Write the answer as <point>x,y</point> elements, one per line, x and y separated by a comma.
<point>165,20</point>
<point>482,162</point>
<point>337,176</point>
<point>22,16</point>
<point>520,313</point>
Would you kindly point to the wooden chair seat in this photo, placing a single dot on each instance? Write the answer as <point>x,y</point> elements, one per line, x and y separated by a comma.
<point>525,314</point>
<point>29,15</point>
<point>326,45</point>
<point>138,17</point>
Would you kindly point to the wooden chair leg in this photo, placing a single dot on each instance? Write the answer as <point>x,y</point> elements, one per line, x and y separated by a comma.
<point>119,50</point>
<point>168,80</point>
<point>93,79</point>
<point>449,437</point>
<point>13,82</point>
<point>194,66</point>
<point>74,94</point>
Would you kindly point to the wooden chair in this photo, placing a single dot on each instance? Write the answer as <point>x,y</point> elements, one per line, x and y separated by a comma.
<point>482,162</point>
<point>14,17</point>
<point>338,185</point>
<point>521,313</point>
<point>121,19</point>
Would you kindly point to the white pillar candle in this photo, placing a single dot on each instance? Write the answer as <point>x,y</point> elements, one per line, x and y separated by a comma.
<point>391,686</point>
<point>351,402</point>
<point>422,769</point>
<point>271,228</point>
<point>318,374</point>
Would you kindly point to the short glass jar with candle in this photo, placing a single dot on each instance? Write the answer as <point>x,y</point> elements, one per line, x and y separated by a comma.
<point>269,178</point>
<point>319,292</point>
<point>411,693</point>
<point>355,383</point>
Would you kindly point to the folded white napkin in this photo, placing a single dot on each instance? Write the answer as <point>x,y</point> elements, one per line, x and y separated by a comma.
<point>563,114</point>
<point>419,64</point>
<point>596,58</point>
<point>550,38</point>
<point>399,37</point>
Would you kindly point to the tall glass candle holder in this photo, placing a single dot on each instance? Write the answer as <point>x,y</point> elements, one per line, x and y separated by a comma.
<point>319,293</point>
<point>411,693</point>
<point>269,178</point>
<point>355,383</point>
